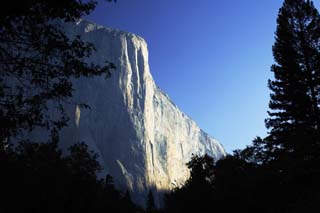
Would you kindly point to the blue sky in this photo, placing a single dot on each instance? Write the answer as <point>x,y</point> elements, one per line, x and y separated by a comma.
<point>211,57</point>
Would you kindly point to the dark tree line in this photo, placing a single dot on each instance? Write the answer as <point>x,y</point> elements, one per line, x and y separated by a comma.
<point>36,177</point>
<point>279,173</point>
<point>38,62</point>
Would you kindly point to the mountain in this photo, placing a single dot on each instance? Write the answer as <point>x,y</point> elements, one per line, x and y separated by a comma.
<point>141,136</point>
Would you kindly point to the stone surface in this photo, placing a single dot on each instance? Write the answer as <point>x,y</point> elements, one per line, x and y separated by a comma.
<point>141,136</point>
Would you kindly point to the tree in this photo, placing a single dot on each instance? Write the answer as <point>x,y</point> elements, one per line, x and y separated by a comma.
<point>295,101</point>
<point>150,205</point>
<point>197,193</point>
<point>278,173</point>
<point>37,177</point>
<point>287,159</point>
<point>38,62</point>
<point>82,162</point>
<point>201,169</point>
<point>128,205</point>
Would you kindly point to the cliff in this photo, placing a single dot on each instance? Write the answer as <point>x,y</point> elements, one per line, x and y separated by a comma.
<point>141,136</point>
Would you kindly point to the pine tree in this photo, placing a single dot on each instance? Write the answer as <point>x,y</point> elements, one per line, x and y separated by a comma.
<point>294,107</point>
<point>287,160</point>
<point>293,145</point>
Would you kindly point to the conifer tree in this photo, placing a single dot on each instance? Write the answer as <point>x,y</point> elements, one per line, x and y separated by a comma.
<point>294,107</point>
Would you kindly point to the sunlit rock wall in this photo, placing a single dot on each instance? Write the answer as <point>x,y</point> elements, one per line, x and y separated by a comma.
<point>142,138</point>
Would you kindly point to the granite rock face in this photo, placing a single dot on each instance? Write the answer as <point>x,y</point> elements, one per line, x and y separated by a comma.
<point>142,138</point>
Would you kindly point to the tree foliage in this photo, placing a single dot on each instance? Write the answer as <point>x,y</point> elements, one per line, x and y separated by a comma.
<point>38,62</point>
<point>151,205</point>
<point>295,101</point>
<point>36,177</point>
<point>196,194</point>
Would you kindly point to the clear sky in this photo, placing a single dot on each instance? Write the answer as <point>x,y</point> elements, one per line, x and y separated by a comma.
<point>212,57</point>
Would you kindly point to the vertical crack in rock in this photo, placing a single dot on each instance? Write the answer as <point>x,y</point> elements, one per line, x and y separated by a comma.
<point>152,157</point>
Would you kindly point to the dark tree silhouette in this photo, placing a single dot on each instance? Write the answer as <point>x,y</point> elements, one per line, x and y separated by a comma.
<point>288,157</point>
<point>82,161</point>
<point>196,195</point>
<point>294,107</point>
<point>36,177</point>
<point>38,62</point>
<point>150,205</point>
<point>127,203</point>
